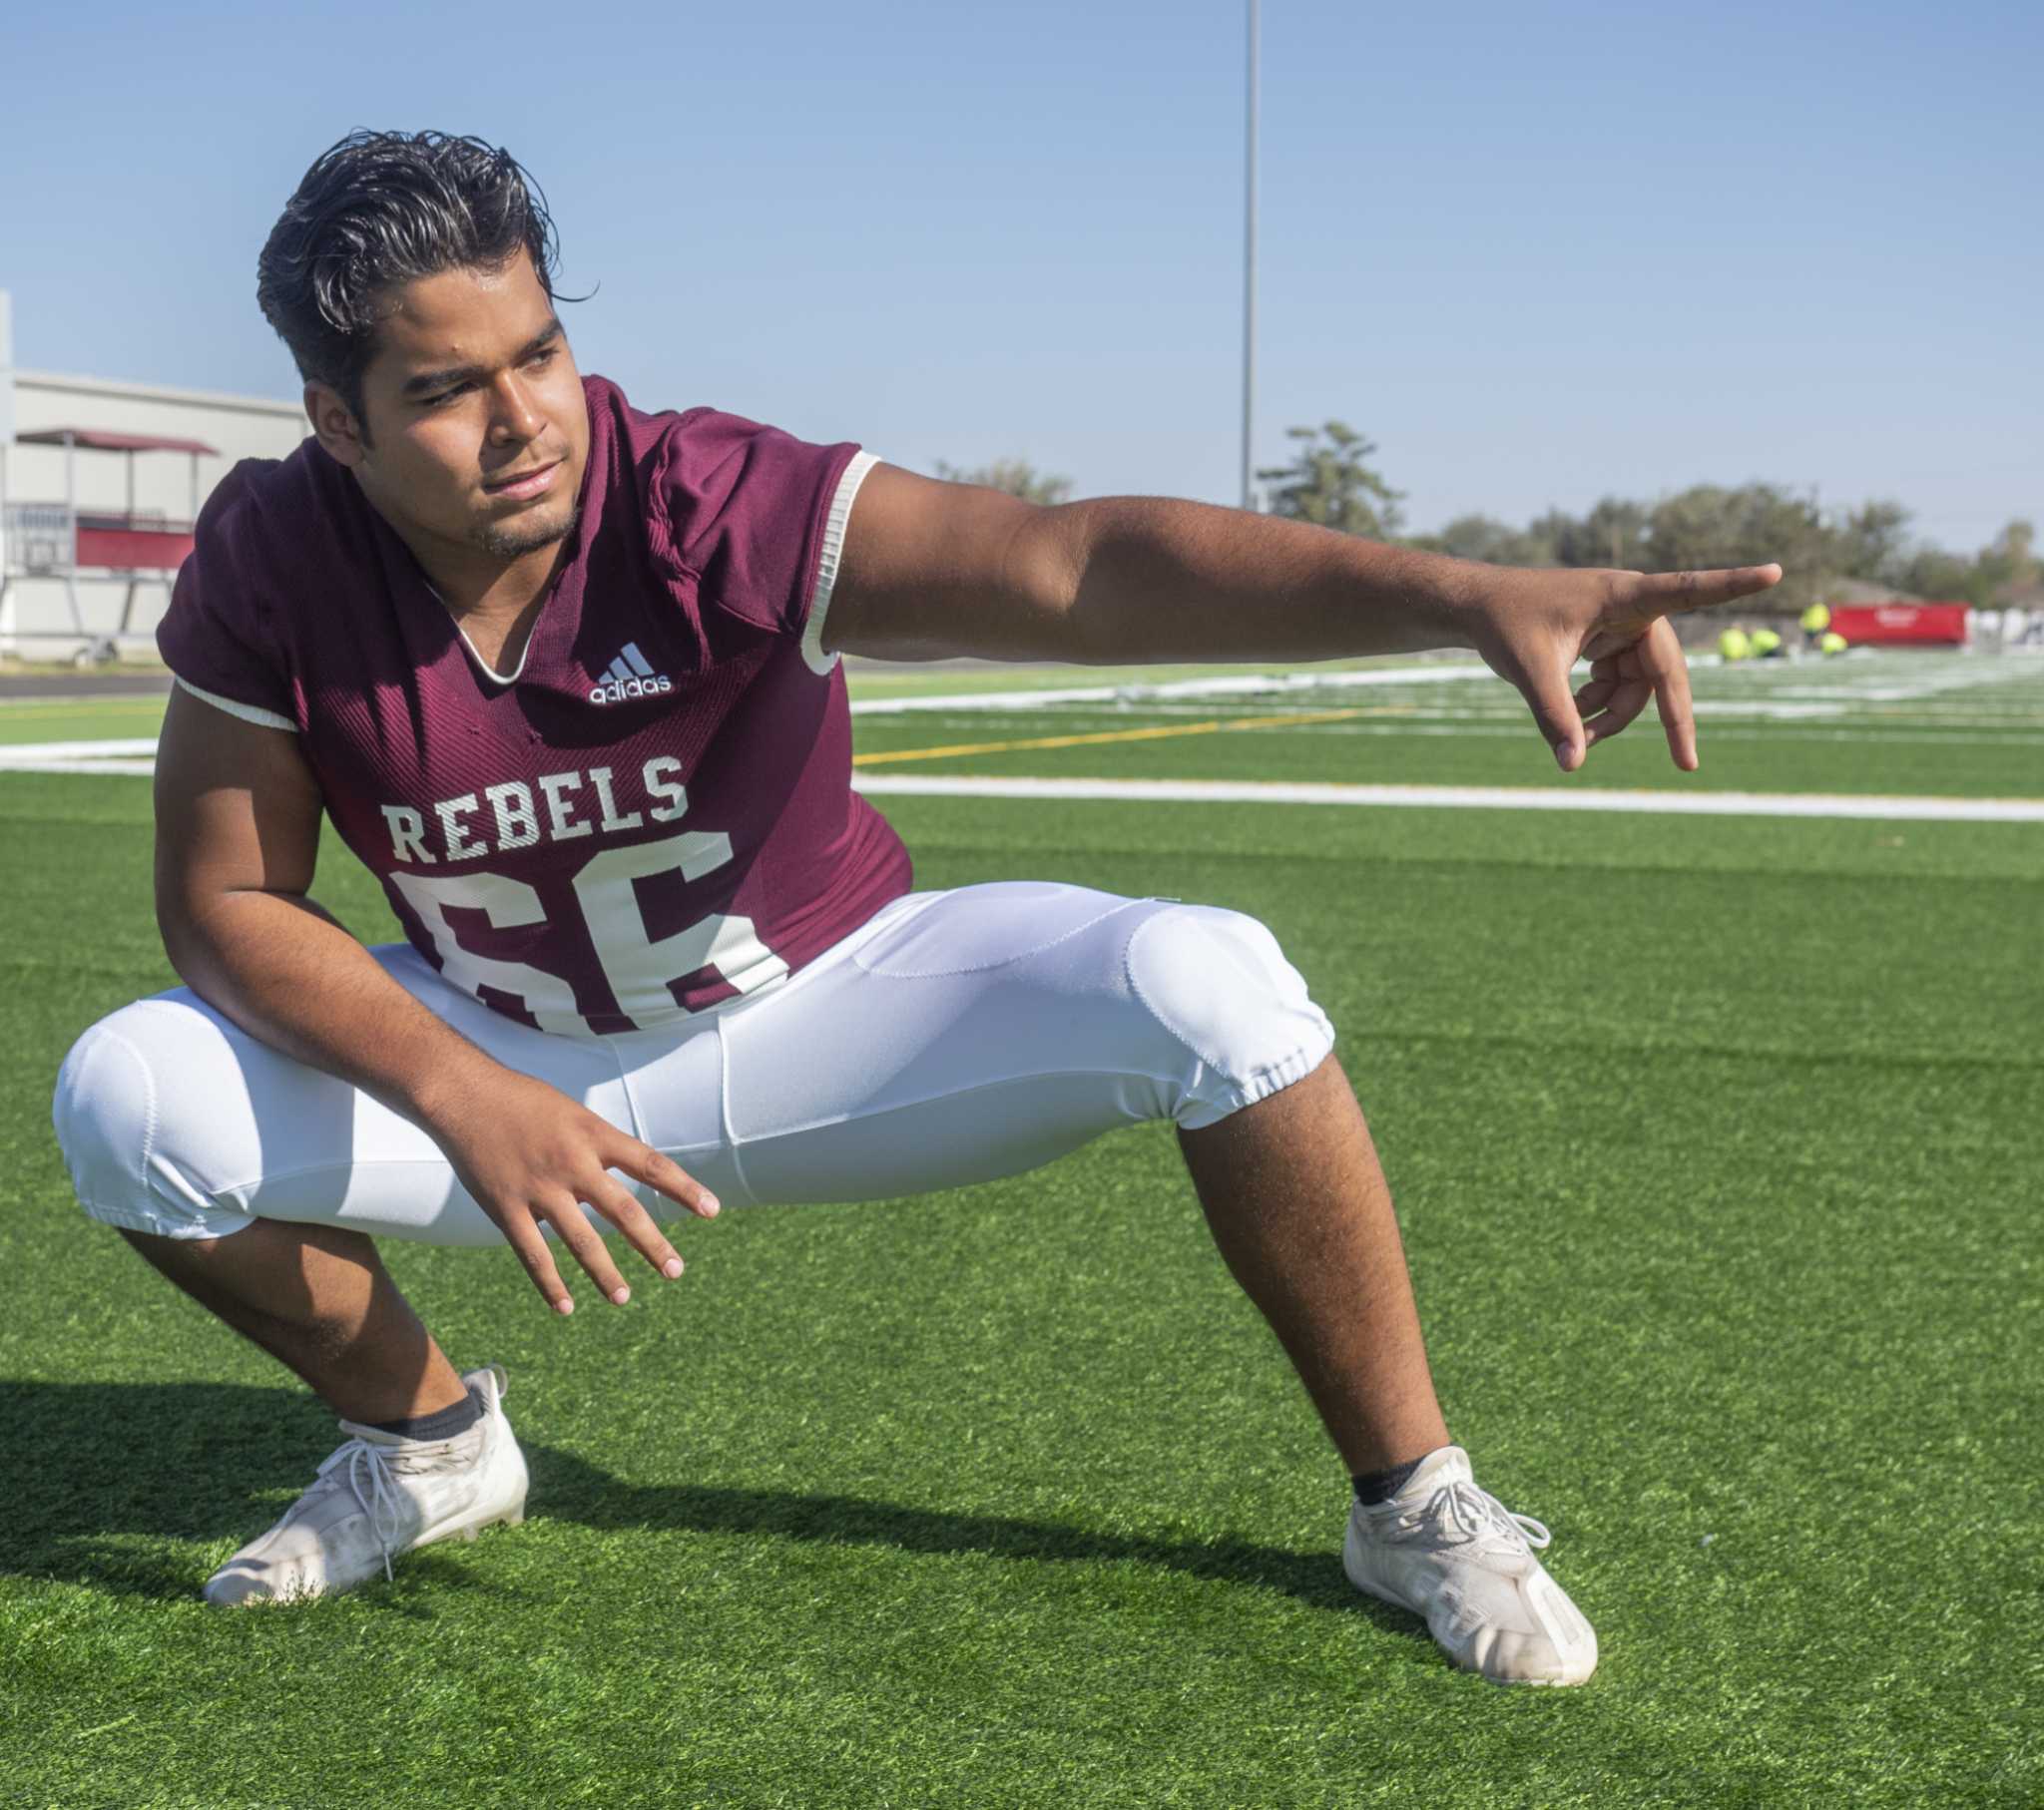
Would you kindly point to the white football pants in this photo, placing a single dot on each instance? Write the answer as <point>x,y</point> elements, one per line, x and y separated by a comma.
<point>957,1037</point>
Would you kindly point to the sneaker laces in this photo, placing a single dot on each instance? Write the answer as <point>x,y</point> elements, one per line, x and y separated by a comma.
<point>370,1465</point>
<point>1472,1517</point>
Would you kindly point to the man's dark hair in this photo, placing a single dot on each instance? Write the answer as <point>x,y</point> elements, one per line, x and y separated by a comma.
<point>381,208</point>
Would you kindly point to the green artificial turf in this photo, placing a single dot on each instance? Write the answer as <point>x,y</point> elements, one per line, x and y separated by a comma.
<point>1941,725</point>
<point>1716,1143</point>
<point>40,719</point>
<point>1734,758</point>
<point>943,677</point>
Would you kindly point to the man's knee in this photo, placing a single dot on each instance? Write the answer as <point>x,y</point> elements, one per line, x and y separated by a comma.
<point>1218,984</point>
<point>149,1116</point>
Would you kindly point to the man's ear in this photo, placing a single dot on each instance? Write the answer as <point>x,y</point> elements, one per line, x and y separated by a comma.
<point>335,426</point>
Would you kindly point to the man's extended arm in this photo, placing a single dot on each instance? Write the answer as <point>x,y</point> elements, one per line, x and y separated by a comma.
<point>238,835</point>
<point>935,570</point>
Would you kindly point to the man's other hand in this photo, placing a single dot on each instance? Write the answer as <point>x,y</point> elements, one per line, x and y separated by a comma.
<point>530,1157</point>
<point>1533,627</point>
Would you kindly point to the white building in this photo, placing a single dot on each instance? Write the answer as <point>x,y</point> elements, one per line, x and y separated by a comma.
<point>36,612</point>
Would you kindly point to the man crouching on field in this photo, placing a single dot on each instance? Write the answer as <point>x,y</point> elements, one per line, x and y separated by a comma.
<point>565,676</point>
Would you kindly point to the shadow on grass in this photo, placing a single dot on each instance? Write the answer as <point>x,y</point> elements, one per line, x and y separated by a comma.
<point>116,1481</point>
<point>104,1475</point>
<point>569,1488</point>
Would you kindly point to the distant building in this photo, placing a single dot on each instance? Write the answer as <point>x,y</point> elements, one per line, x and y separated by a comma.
<point>2016,622</point>
<point>36,612</point>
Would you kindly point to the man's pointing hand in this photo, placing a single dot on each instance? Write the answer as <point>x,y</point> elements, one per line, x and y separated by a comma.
<point>1533,627</point>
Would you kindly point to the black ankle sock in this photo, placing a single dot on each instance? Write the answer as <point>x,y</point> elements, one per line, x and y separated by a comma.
<point>446,1422</point>
<point>1375,1487</point>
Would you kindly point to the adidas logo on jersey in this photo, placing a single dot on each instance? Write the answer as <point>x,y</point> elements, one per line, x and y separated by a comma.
<point>629,676</point>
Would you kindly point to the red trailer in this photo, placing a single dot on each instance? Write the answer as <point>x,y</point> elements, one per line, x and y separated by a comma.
<point>1902,625</point>
<point>95,546</point>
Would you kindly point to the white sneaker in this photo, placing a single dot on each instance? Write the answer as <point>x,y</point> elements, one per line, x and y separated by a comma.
<point>379,1496</point>
<point>1452,1553</point>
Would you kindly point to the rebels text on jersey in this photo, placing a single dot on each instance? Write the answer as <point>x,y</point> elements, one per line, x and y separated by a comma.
<point>655,811</point>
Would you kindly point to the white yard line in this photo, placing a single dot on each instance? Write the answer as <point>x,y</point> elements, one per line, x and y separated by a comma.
<point>1800,691</point>
<point>1249,685</point>
<point>140,769</point>
<point>1778,735</point>
<point>1805,704</point>
<point>35,758</point>
<point>1469,797</point>
<point>1508,726</point>
<point>135,754</point>
<point>1423,797</point>
<point>22,753</point>
<point>1885,677</point>
<point>1510,709</point>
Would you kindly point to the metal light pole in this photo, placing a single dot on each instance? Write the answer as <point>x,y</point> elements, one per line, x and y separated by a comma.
<point>1248,272</point>
<point>6,441</point>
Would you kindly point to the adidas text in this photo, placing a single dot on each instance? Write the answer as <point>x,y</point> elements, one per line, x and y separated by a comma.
<point>629,675</point>
<point>615,691</point>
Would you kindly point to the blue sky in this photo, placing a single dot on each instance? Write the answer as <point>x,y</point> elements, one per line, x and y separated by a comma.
<point>1538,254</point>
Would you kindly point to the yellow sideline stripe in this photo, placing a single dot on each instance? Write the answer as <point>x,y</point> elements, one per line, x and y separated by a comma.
<point>80,706</point>
<point>1216,727</point>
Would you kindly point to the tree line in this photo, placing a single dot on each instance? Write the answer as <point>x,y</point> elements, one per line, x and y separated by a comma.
<point>1330,480</point>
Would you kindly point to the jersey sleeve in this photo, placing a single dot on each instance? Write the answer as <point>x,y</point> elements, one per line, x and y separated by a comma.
<point>758,519</point>
<point>213,637</point>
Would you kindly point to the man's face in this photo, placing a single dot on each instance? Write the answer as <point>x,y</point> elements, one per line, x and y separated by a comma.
<point>476,428</point>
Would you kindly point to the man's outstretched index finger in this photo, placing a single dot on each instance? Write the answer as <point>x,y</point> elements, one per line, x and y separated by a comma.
<point>1671,592</point>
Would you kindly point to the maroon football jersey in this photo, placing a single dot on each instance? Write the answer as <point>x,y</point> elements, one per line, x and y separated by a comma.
<point>655,811</point>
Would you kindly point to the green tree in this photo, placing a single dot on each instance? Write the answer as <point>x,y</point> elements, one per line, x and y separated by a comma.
<point>2019,543</point>
<point>1485,538</point>
<point>1329,483</point>
<point>1611,534</point>
<point>2008,562</point>
<point>1870,542</point>
<point>1711,525</point>
<point>1934,572</point>
<point>1017,477</point>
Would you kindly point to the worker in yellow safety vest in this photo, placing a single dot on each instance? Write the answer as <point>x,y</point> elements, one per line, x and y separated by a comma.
<point>1815,621</point>
<point>1767,644</point>
<point>1734,645</point>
